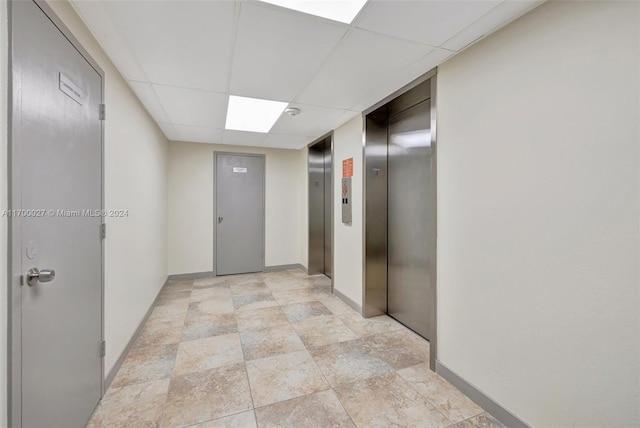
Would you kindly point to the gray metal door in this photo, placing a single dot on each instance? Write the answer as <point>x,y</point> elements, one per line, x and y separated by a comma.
<point>410,218</point>
<point>57,167</point>
<point>239,213</point>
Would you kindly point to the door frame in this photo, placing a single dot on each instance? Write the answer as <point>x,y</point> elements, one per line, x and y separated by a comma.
<point>215,204</point>
<point>333,174</point>
<point>14,224</point>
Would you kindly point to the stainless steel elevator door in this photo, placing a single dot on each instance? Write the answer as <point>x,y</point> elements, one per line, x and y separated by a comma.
<point>58,149</point>
<point>320,209</point>
<point>240,216</point>
<point>327,211</point>
<point>410,218</point>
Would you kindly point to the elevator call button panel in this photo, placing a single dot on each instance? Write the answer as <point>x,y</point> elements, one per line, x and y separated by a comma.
<point>346,200</point>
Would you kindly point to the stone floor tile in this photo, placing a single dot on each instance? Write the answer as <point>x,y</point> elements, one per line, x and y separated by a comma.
<point>279,339</point>
<point>208,353</point>
<point>321,409</point>
<point>239,420</point>
<point>209,325</point>
<point>323,331</point>
<point>202,396</point>
<point>259,319</point>
<point>283,377</point>
<point>146,364</point>
<point>445,397</point>
<point>132,405</point>
<point>386,401</point>
<point>305,311</point>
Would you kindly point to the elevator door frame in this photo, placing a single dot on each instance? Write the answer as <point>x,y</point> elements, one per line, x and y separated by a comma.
<point>374,290</point>
<point>311,269</point>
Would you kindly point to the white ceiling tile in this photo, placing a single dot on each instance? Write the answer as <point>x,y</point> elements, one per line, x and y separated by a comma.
<point>169,131</point>
<point>243,138</point>
<point>197,134</point>
<point>278,52</point>
<point>286,141</point>
<point>404,77</point>
<point>362,61</point>
<point>498,17</point>
<point>150,100</point>
<point>312,121</point>
<point>192,107</point>
<point>179,43</point>
<point>430,22</point>
<point>97,20</point>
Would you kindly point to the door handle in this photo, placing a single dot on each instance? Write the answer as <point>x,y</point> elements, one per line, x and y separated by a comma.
<point>220,219</point>
<point>34,275</point>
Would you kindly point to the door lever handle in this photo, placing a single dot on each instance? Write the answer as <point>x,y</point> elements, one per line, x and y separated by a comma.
<point>34,275</point>
<point>220,219</point>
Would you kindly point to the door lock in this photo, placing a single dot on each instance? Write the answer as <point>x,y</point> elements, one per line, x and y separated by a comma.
<point>220,219</point>
<point>34,275</point>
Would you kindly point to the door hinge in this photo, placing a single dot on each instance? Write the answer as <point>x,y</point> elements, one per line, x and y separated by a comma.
<point>103,231</point>
<point>102,112</point>
<point>103,348</point>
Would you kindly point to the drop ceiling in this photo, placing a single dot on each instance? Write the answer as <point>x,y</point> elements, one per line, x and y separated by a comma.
<point>183,59</point>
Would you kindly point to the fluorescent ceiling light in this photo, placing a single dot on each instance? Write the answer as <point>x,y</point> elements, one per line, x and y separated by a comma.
<point>337,10</point>
<point>253,114</point>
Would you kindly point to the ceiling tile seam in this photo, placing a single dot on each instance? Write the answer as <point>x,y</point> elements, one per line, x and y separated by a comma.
<point>322,66</point>
<point>395,37</point>
<point>98,39</point>
<point>157,99</point>
<point>352,108</point>
<point>473,23</point>
<point>209,91</point>
<point>232,54</point>
<point>126,42</point>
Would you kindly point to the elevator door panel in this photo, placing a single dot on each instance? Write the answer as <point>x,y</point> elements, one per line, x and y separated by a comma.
<point>327,212</point>
<point>410,218</point>
<point>316,212</point>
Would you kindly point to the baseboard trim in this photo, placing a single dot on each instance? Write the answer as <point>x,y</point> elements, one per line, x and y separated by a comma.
<point>280,268</point>
<point>348,301</point>
<point>195,275</point>
<point>498,411</point>
<point>125,352</point>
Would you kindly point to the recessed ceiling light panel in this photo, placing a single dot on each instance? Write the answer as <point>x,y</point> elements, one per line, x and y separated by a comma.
<point>337,10</point>
<point>253,114</point>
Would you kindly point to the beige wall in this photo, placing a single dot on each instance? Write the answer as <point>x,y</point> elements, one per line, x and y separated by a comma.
<point>135,179</point>
<point>538,215</point>
<point>191,216</point>
<point>347,238</point>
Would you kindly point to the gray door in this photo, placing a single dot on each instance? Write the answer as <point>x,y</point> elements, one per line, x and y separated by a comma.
<point>410,218</point>
<point>239,213</point>
<point>57,171</point>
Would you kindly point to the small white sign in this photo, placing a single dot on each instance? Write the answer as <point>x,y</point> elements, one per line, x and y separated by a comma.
<point>71,89</point>
<point>240,170</point>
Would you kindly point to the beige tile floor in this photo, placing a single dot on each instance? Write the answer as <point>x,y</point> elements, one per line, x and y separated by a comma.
<point>277,350</point>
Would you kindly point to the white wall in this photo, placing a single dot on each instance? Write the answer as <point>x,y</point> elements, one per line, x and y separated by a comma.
<point>191,216</point>
<point>538,215</point>
<point>4,78</point>
<point>135,179</point>
<point>347,238</point>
